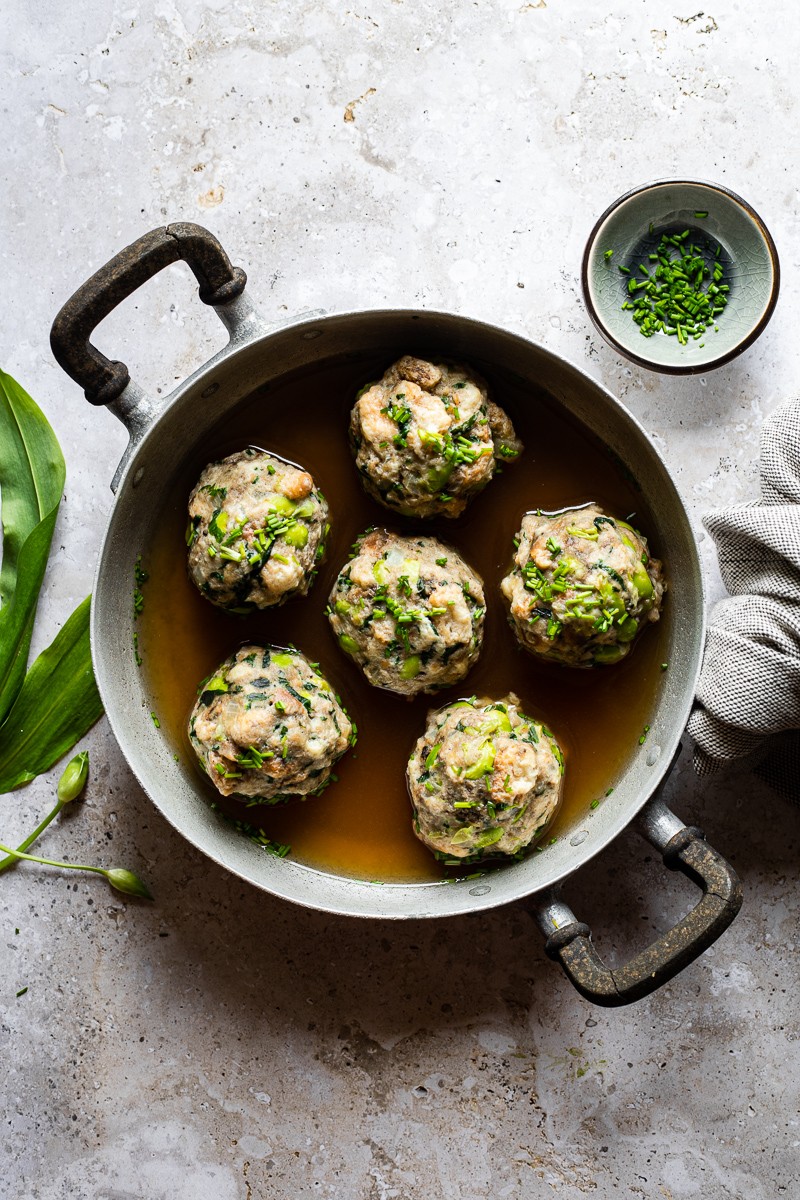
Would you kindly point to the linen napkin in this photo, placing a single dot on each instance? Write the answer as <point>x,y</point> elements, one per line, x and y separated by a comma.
<point>748,697</point>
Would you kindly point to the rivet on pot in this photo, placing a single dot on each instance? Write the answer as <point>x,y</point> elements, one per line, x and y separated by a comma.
<point>310,334</point>
<point>137,479</point>
<point>579,837</point>
<point>653,755</point>
<point>482,889</point>
<point>209,391</point>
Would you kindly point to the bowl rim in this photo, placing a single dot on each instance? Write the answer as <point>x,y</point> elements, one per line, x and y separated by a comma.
<point>668,368</point>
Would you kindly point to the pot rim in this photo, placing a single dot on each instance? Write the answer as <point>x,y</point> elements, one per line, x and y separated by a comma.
<point>344,895</point>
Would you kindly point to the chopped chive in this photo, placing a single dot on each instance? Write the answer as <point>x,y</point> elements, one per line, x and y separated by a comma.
<point>608,255</point>
<point>432,757</point>
<point>700,215</point>
<point>682,294</point>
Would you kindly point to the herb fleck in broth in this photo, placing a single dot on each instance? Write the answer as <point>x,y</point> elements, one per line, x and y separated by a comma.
<point>361,825</point>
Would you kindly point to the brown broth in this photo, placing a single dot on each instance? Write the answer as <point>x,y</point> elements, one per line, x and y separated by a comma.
<point>361,826</point>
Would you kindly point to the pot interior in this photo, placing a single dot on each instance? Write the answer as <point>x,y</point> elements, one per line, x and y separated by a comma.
<point>569,420</point>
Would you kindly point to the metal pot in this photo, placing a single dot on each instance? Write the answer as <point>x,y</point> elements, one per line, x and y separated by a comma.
<point>258,353</point>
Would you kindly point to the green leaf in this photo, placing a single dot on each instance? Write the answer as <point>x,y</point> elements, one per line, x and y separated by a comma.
<point>32,477</point>
<point>56,705</point>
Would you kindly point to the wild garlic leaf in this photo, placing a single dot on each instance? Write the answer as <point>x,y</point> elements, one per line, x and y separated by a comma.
<point>32,477</point>
<point>56,705</point>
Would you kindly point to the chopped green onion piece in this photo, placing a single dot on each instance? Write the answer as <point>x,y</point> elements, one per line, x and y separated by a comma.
<point>411,667</point>
<point>682,294</point>
<point>432,757</point>
<point>282,659</point>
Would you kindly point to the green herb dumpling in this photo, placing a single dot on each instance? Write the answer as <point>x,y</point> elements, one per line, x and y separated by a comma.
<point>426,437</point>
<point>409,611</point>
<point>256,533</point>
<point>484,780</point>
<point>582,586</point>
<point>267,725</point>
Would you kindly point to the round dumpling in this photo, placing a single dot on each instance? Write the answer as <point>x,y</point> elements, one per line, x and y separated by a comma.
<point>582,586</point>
<point>427,437</point>
<point>409,611</point>
<point>267,725</point>
<point>484,780</point>
<point>256,532</point>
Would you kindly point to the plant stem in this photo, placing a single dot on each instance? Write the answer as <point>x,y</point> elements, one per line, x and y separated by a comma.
<point>10,859</point>
<point>50,862</point>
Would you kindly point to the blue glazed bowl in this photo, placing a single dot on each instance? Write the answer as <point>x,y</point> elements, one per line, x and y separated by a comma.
<point>731,234</point>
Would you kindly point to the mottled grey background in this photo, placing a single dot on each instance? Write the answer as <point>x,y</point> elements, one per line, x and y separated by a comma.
<point>221,1045</point>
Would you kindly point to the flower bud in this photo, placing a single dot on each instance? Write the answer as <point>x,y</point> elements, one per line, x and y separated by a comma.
<point>128,882</point>
<point>73,781</point>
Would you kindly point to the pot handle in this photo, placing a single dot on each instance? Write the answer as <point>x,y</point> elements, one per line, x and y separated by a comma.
<point>683,848</point>
<point>104,381</point>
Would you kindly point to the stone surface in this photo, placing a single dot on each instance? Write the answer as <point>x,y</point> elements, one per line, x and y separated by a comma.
<point>221,1045</point>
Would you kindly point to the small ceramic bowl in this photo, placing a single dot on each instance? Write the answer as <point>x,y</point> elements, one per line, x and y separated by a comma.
<point>730,236</point>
